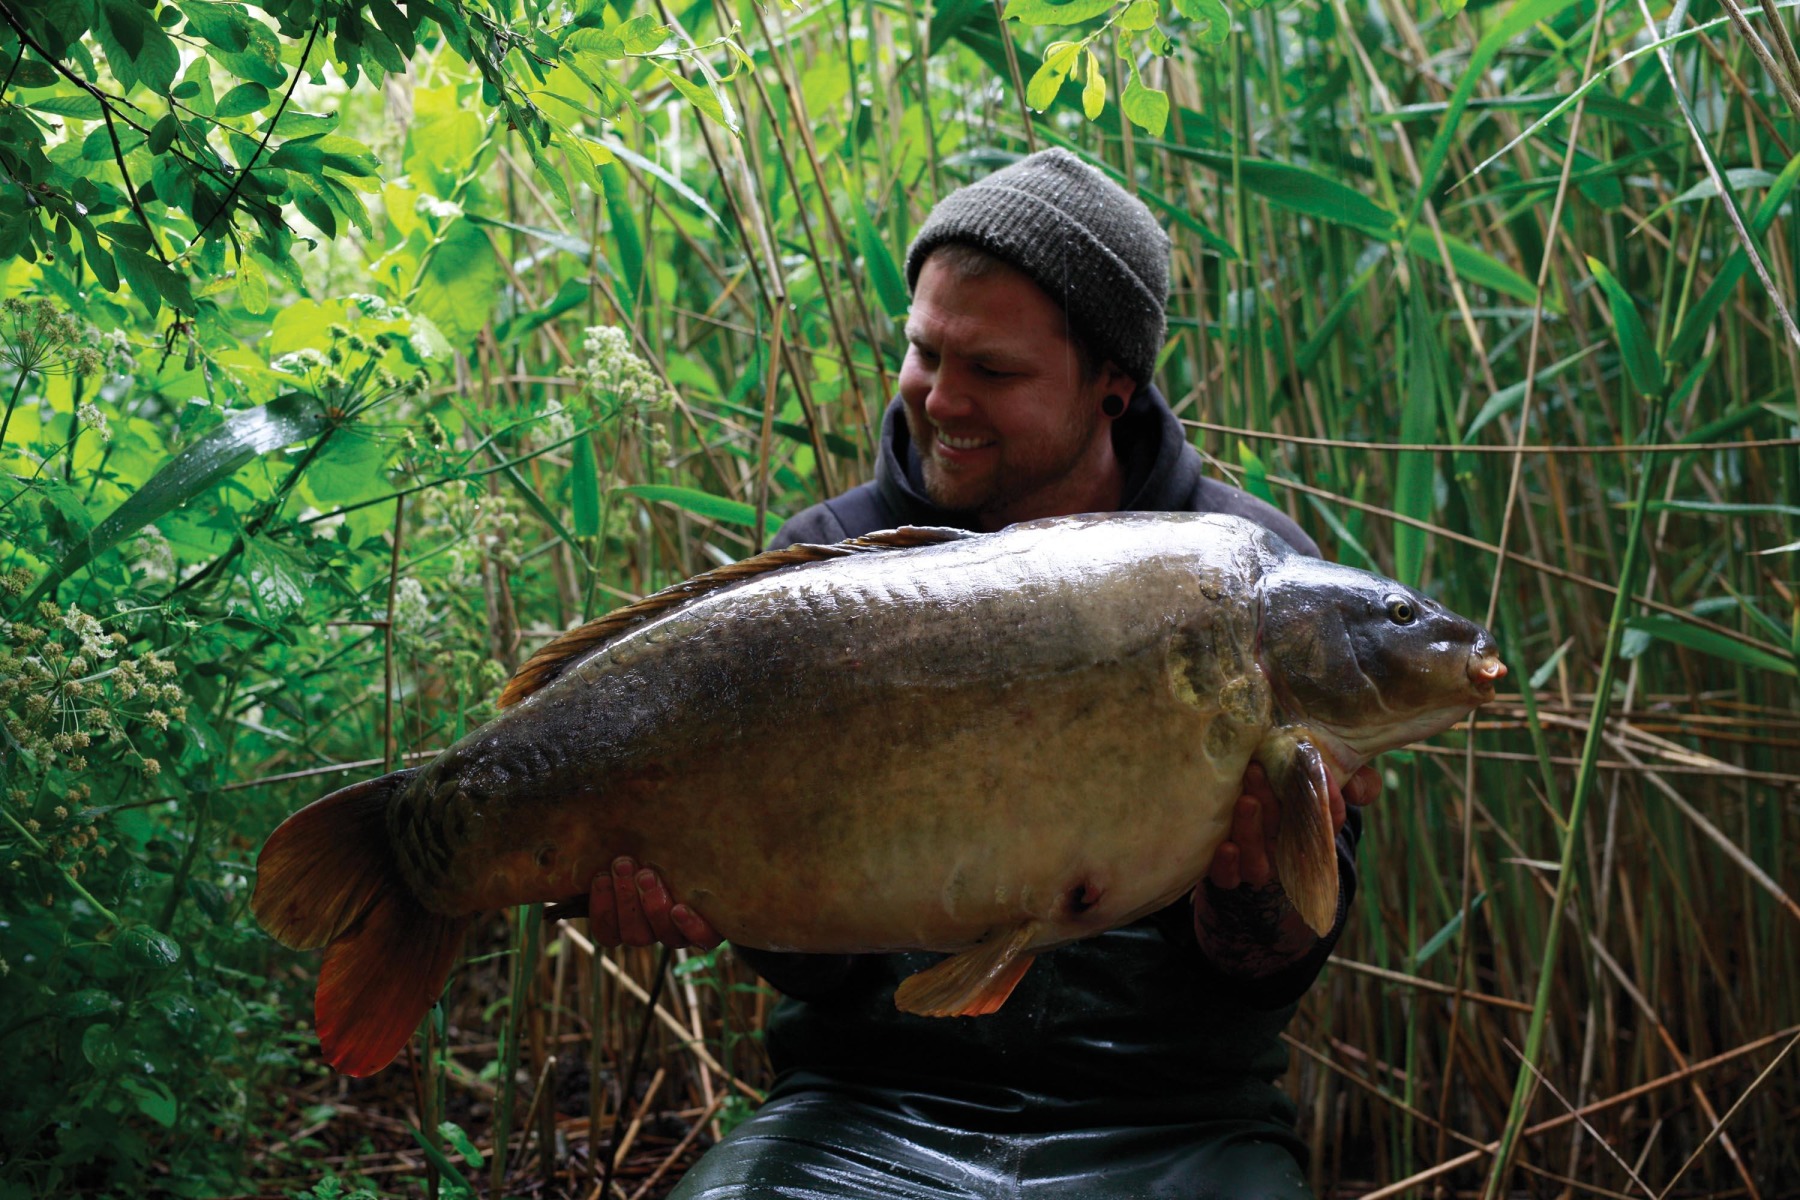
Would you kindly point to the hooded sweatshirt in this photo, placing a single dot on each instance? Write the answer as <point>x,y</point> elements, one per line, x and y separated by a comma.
<point>1131,1026</point>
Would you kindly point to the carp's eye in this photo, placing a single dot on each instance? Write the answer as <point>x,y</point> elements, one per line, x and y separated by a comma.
<point>1400,610</point>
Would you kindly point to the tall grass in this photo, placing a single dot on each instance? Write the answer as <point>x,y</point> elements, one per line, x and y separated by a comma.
<point>1576,942</point>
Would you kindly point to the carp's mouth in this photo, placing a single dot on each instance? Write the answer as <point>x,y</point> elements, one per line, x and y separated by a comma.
<point>1485,672</point>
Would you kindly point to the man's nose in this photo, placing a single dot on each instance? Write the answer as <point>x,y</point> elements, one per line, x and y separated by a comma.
<point>949,397</point>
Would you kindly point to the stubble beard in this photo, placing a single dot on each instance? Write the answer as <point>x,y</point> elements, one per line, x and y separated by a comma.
<point>1008,482</point>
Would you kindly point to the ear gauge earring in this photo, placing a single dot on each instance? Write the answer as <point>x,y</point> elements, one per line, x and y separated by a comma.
<point>1113,406</point>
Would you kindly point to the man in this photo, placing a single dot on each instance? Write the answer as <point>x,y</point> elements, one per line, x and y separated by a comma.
<point>1137,1063</point>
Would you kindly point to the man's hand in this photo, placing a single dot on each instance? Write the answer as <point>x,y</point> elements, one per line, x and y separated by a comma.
<point>631,906</point>
<point>1242,917</point>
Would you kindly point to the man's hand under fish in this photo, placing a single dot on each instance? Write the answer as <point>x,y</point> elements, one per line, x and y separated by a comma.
<point>630,905</point>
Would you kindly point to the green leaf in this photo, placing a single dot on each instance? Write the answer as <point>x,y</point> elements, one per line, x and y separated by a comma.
<point>162,134</point>
<point>605,44</point>
<point>1053,12</point>
<point>243,100</point>
<point>139,273</point>
<point>30,73</point>
<point>1510,396</point>
<point>1211,13</point>
<point>709,100</point>
<point>1145,107</point>
<point>393,22</point>
<point>1441,938</point>
<point>453,1133</point>
<point>311,200</point>
<point>1695,637</point>
<point>441,1161</point>
<point>584,488</point>
<point>154,1100</point>
<point>1140,15</point>
<point>1048,79</point>
<point>1642,363</point>
<point>878,263</point>
<point>461,285</point>
<point>149,948</point>
<point>625,233</point>
<point>1093,92</point>
<point>137,49</point>
<point>703,504</point>
<point>1416,472</point>
<point>1298,189</point>
<point>216,455</point>
<point>1693,326</point>
<point>89,1003</point>
<point>1256,473</point>
<point>1542,675</point>
<point>259,61</point>
<point>253,286</point>
<point>101,1048</point>
<point>642,34</point>
<point>79,105</point>
<point>226,26</point>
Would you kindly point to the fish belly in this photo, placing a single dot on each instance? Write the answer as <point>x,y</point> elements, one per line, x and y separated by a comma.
<point>879,755</point>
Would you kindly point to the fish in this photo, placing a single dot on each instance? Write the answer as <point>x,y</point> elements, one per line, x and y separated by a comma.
<point>988,745</point>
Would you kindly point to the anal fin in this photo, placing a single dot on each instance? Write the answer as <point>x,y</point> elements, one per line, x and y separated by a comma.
<point>973,983</point>
<point>1306,848</point>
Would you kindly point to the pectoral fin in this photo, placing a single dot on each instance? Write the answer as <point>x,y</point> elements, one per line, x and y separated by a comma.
<point>973,983</point>
<point>1306,849</point>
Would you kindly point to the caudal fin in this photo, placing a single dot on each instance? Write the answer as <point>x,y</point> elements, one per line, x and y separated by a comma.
<point>327,877</point>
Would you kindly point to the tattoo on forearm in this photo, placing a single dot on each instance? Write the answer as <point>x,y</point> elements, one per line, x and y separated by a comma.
<point>1251,931</point>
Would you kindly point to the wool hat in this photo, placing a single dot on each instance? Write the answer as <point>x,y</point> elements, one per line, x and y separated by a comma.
<point>1085,240</point>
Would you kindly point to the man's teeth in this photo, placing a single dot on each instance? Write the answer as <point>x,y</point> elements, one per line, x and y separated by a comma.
<point>956,443</point>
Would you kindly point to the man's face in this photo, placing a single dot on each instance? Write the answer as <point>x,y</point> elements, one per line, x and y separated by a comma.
<point>1005,425</point>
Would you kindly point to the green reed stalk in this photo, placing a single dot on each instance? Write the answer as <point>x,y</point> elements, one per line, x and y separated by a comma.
<point>1584,781</point>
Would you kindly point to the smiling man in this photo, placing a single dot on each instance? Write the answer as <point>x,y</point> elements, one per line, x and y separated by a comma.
<point>1141,1062</point>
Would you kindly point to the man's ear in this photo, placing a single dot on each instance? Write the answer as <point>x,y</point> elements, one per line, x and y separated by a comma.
<point>1115,382</point>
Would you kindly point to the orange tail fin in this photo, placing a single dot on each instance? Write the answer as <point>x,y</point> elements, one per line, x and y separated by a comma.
<point>327,877</point>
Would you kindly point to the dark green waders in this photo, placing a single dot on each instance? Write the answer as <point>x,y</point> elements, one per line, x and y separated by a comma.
<point>1123,1066</point>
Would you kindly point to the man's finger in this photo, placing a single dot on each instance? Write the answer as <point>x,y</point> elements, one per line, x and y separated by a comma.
<point>1223,873</point>
<point>1253,849</point>
<point>695,927</point>
<point>634,930</point>
<point>1256,783</point>
<point>653,895</point>
<point>1337,803</point>
<point>1364,787</point>
<point>603,916</point>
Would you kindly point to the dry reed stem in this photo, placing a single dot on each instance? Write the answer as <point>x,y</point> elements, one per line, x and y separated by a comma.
<point>1587,1110</point>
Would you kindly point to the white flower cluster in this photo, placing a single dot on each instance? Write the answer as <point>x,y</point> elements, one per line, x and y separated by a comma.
<point>155,563</point>
<point>89,414</point>
<point>412,608</point>
<point>479,525</point>
<point>615,375</point>
<point>118,348</point>
<point>304,361</point>
<point>95,642</point>
<point>556,424</point>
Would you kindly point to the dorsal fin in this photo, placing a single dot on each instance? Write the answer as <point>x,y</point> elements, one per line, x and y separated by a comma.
<point>556,657</point>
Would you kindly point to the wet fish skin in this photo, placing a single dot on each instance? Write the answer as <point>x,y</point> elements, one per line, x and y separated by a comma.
<point>995,744</point>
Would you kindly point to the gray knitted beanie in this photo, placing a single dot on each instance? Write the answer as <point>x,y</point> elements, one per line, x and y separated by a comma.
<point>1085,240</point>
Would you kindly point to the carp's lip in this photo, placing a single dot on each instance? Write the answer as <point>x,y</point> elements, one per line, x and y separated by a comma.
<point>1485,670</point>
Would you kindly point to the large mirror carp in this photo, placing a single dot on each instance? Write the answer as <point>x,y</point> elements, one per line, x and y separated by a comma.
<point>987,744</point>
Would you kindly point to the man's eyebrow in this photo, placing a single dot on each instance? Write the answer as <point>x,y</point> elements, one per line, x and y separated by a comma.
<point>1003,354</point>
